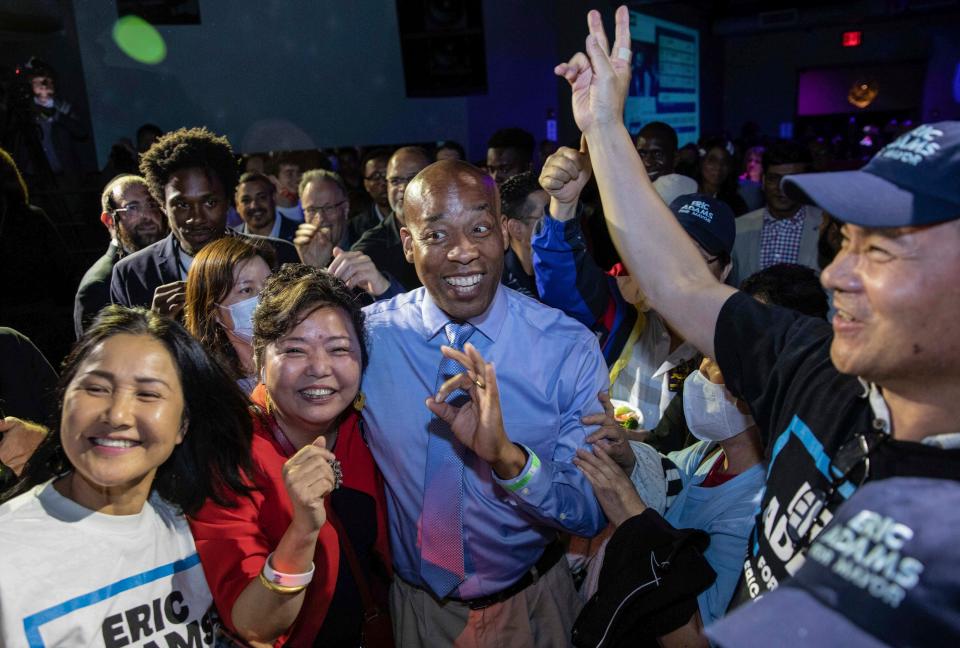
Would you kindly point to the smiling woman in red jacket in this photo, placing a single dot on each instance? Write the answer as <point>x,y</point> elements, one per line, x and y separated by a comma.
<point>302,560</point>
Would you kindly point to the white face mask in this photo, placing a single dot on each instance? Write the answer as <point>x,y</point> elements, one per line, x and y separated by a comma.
<point>711,411</point>
<point>242,315</point>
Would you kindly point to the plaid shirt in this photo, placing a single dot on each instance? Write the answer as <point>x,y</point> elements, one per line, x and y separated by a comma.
<point>780,238</point>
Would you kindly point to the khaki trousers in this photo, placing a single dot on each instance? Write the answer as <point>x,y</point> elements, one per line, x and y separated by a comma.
<point>542,615</point>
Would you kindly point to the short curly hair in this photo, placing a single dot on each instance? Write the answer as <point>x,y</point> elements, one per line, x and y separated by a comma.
<point>188,148</point>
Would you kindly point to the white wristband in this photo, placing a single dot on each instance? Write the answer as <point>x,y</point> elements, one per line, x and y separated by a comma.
<point>286,580</point>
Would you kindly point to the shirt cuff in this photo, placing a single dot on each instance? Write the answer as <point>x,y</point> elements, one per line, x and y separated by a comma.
<point>521,484</point>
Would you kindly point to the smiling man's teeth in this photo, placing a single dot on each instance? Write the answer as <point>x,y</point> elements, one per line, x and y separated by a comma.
<point>464,282</point>
<point>316,393</point>
<point>114,443</point>
<point>845,316</point>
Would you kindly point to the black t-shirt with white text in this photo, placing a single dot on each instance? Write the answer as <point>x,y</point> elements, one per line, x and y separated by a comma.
<point>778,361</point>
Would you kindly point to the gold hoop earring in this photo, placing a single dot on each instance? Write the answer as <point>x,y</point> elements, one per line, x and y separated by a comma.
<point>359,401</point>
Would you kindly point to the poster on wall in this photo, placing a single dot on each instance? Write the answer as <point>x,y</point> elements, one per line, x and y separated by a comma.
<point>665,84</point>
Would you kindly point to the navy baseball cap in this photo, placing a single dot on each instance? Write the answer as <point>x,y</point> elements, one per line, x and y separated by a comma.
<point>914,180</point>
<point>708,221</point>
<point>884,572</point>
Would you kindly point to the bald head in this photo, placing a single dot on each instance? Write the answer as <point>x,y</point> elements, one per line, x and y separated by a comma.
<point>447,176</point>
<point>454,236</point>
<point>404,164</point>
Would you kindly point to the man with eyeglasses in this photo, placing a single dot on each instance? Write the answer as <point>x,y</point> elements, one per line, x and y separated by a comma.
<point>191,173</point>
<point>874,396</point>
<point>382,242</point>
<point>784,231</point>
<point>323,240</point>
<point>134,221</point>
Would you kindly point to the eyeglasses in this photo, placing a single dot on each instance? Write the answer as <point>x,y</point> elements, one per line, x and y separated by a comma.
<point>379,176</point>
<point>136,209</point>
<point>850,468</point>
<point>315,211</point>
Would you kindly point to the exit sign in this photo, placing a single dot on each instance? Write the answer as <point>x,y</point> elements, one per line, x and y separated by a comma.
<point>852,38</point>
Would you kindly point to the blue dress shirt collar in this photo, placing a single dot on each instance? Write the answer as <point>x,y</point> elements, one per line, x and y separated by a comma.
<point>489,323</point>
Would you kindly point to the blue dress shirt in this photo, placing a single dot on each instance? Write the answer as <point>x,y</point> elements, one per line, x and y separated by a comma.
<point>549,371</point>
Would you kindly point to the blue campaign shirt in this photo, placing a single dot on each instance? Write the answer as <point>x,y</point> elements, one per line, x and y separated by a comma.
<point>549,371</point>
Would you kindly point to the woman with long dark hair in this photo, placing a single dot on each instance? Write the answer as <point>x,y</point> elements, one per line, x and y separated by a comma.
<point>94,549</point>
<point>223,285</point>
<point>304,560</point>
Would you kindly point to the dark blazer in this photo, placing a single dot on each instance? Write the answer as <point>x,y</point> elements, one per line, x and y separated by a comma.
<point>136,277</point>
<point>288,229</point>
<point>382,245</point>
<point>94,290</point>
<point>362,221</point>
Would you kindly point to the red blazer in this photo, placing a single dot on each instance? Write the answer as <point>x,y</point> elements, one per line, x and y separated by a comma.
<point>234,542</point>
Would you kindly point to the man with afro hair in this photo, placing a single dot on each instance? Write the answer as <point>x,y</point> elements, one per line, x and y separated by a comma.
<point>191,173</point>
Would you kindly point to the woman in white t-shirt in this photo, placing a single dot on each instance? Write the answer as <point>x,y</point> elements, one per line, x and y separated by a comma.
<point>94,549</point>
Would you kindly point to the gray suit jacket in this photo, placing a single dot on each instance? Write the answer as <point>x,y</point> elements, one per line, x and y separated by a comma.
<point>746,249</point>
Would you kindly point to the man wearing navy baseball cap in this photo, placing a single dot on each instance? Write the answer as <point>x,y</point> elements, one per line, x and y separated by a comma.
<point>884,573</point>
<point>876,395</point>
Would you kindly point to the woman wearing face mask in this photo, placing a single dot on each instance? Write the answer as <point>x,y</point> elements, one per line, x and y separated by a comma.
<point>223,288</point>
<point>94,548</point>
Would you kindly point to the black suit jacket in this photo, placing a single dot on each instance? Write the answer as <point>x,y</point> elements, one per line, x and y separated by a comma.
<point>362,221</point>
<point>94,290</point>
<point>288,228</point>
<point>382,245</point>
<point>136,277</point>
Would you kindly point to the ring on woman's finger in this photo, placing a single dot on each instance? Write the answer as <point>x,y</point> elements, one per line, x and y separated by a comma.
<point>479,383</point>
<point>624,53</point>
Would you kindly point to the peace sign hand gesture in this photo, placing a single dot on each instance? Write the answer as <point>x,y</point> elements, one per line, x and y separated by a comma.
<point>600,78</point>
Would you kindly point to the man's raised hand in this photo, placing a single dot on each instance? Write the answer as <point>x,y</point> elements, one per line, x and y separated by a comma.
<point>600,78</point>
<point>563,177</point>
<point>313,244</point>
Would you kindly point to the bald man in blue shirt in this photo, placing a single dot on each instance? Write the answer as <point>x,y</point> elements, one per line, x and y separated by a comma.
<point>475,441</point>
